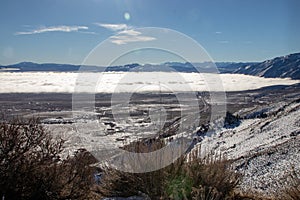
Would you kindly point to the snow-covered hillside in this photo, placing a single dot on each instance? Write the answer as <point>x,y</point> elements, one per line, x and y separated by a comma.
<point>284,66</point>
<point>265,150</point>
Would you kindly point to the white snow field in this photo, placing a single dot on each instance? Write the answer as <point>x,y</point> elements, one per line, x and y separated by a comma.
<point>265,149</point>
<point>110,82</point>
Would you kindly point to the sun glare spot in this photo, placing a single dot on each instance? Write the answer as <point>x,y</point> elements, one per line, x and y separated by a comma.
<point>127,16</point>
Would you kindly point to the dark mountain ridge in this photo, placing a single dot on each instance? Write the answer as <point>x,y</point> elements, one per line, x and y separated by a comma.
<point>280,67</point>
<point>223,67</point>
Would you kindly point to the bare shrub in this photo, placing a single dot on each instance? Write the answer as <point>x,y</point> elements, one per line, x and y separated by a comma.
<point>72,178</point>
<point>31,167</point>
<point>25,149</point>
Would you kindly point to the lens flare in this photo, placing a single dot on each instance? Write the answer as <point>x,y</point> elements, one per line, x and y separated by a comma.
<point>127,16</point>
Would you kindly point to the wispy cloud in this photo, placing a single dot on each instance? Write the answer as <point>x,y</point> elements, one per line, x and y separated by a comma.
<point>125,34</point>
<point>113,27</point>
<point>124,39</point>
<point>224,42</point>
<point>218,32</point>
<point>61,28</point>
<point>130,32</point>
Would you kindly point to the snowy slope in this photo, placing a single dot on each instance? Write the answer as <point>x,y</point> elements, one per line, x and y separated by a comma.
<point>283,67</point>
<point>264,149</point>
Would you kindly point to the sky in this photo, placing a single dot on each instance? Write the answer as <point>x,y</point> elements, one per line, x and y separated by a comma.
<point>66,31</point>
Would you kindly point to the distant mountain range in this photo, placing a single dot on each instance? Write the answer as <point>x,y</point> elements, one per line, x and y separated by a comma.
<point>283,67</point>
<point>223,67</point>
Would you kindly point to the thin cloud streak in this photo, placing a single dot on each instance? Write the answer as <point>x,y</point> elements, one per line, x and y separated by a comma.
<point>113,27</point>
<point>88,32</point>
<point>124,39</point>
<point>62,28</point>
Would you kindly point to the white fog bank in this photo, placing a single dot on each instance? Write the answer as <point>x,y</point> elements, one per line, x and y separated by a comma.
<point>64,82</point>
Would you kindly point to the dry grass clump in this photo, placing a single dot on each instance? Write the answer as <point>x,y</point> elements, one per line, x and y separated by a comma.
<point>145,145</point>
<point>212,179</point>
<point>197,179</point>
<point>122,184</point>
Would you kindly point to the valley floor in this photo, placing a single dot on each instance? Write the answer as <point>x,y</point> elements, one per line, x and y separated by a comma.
<point>265,145</point>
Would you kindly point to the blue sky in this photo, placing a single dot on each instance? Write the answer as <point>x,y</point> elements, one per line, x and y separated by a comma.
<point>65,31</point>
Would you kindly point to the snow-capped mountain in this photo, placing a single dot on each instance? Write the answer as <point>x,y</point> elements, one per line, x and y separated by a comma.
<point>280,67</point>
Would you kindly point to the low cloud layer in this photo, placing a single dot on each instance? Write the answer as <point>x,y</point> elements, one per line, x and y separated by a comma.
<point>64,82</point>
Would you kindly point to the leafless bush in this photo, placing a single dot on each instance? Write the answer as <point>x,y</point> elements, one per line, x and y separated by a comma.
<point>31,167</point>
<point>25,149</point>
